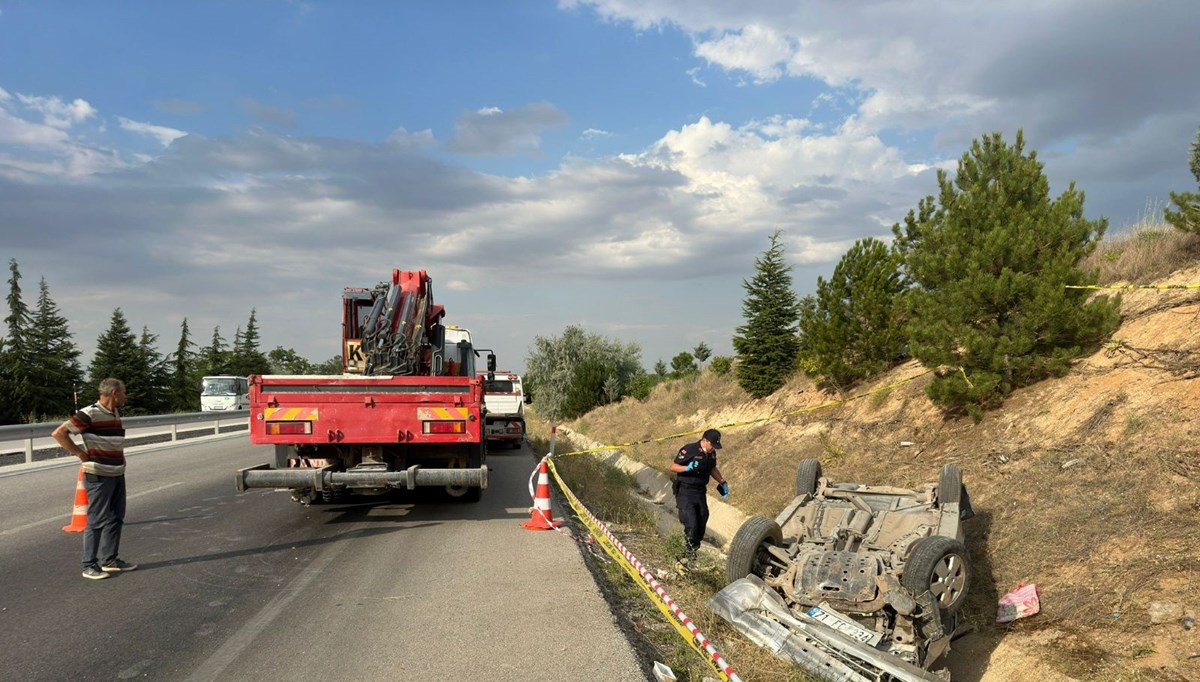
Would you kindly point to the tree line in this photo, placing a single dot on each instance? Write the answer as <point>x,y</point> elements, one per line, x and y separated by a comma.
<point>974,285</point>
<point>42,377</point>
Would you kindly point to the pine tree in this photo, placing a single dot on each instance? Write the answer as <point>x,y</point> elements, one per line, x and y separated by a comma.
<point>683,364</point>
<point>214,358</point>
<point>184,379</point>
<point>767,345</point>
<point>153,379</point>
<point>53,361</point>
<point>119,356</point>
<point>701,352</point>
<point>15,383</point>
<point>990,262</point>
<point>288,361</point>
<point>247,358</point>
<point>1187,215</point>
<point>660,369</point>
<point>851,328</point>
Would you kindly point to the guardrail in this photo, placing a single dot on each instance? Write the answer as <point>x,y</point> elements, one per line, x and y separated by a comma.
<point>28,432</point>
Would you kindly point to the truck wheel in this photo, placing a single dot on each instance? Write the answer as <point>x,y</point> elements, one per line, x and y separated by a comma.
<point>938,564</point>
<point>806,477</point>
<point>465,495</point>
<point>747,552</point>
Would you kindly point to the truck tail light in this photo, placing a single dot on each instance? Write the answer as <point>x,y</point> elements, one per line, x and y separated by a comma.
<point>444,427</point>
<point>288,428</point>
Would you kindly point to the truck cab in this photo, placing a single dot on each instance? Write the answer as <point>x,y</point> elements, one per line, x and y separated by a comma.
<point>504,403</point>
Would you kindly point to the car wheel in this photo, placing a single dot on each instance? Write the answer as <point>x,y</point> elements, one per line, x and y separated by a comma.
<point>806,477</point>
<point>747,552</point>
<point>950,485</point>
<point>938,564</point>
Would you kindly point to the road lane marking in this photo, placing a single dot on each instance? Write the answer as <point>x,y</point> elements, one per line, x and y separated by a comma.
<point>60,517</point>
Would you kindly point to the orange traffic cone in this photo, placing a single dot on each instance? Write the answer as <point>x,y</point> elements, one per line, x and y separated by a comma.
<point>79,513</point>
<point>540,516</point>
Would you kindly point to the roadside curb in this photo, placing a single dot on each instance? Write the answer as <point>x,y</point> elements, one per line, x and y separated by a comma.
<point>654,493</point>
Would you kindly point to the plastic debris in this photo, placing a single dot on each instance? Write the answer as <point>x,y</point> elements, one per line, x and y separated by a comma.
<point>1021,602</point>
<point>663,673</point>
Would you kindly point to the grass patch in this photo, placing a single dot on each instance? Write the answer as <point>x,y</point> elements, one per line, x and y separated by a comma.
<point>1150,250</point>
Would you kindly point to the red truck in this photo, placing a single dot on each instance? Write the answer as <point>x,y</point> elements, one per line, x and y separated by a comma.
<point>407,411</point>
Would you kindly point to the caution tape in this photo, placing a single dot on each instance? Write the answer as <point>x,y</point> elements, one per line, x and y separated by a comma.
<point>1132,286</point>
<point>747,422</point>
<point>636,570</point>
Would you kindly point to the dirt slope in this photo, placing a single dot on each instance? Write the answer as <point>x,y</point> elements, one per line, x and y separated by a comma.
<point>1085,485</point>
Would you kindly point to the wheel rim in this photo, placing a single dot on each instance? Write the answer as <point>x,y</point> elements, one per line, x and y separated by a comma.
<point>949,580</point>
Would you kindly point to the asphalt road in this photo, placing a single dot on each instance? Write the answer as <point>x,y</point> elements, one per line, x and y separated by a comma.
<point>252,586</point>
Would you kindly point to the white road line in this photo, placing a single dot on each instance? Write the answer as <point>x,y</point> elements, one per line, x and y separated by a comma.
<point>60,517</point>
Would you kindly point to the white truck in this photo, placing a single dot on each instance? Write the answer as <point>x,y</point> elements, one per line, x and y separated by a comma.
<point>504,401</point>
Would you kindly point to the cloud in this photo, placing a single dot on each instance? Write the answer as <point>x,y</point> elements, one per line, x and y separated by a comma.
<point>164,135</point>
<point>755,49</point>
<point>492,131</point>
<point>593,133</point>
<point>284,118</point>
<point>57,113</point>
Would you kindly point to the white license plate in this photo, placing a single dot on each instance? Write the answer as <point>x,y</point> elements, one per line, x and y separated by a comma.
<point>844,625</point>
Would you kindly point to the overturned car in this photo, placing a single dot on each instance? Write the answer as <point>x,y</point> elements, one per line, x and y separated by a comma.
<point>853,582</point>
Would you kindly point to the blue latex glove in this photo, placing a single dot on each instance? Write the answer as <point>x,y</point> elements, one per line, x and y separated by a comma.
<point>723,488</point>
<point>692,465</point>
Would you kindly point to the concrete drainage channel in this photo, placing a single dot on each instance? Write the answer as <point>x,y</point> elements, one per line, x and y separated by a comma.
<point>653,492</point>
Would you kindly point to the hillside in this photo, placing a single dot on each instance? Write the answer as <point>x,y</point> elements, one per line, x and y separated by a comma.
<point>1085,485</point>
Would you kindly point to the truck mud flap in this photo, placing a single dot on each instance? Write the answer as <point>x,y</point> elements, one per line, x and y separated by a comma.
<point>760,614</point>
<point>263,476</point>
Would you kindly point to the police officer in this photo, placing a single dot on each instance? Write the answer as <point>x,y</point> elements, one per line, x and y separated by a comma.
<point>693,466</point>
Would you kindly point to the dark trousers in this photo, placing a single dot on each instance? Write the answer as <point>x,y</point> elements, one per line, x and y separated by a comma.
<point>693,514</point>
<point>105,517</point>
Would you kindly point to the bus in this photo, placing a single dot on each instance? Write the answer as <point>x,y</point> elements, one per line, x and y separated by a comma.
<point>224,393</point>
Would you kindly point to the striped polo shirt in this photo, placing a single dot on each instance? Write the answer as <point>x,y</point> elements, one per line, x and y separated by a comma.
<point>103,439</point>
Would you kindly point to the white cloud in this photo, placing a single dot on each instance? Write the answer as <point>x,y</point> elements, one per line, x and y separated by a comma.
<point>57,113</point>
<point>492,131</point>
<point>592,133</point>
<point>163,134</point>
<point>755,49</point>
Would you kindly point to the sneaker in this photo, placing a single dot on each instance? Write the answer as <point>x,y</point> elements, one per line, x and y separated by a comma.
<point>117,566</point>
<point>93,573</point>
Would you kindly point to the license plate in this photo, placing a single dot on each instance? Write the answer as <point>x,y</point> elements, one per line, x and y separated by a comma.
<point>827,616</point>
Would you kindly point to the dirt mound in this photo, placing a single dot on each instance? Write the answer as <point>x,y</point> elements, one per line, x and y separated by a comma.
<point>1085,485</point>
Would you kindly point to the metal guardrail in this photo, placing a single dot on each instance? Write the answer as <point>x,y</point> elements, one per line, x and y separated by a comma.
<point>28,432</point>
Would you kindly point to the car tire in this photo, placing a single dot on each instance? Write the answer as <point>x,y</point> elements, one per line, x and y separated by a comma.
<point>747,552</point>
<point>950,485</point>
<point>807,475</point>
<point>939,565</point>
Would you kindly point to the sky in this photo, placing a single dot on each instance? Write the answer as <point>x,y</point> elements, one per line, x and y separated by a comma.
<point>614,164</point>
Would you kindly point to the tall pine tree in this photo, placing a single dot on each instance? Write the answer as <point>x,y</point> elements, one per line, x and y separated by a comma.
<point>155,378</point>
<point>118,355</point>
<point>185,382</point>
<point>990,262</point>
<point>53,361</point>
<point>214,358</point>
<point>15,381</point>
<point>851,328</point>
<point>247,358</point>
<point>767,345</point>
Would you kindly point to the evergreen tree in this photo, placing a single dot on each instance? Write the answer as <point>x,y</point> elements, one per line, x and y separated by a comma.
<point>767,345</point>
<point>214,358</point>
<point>683,364</point>
<point>990,262</point>
<point>247,358</point>
<point>1186,217</point>
<point>53,362</point>
<point>154,378</point>
<point>118,355</point>
<point>851,328</point>
<point>184,378</point>
<point>721,365</point>
<point>660,369</point>
<point>702,352</point>
<point>15,383</point>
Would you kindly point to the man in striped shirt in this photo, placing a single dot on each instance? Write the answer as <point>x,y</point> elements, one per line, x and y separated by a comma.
<point>103,456</point>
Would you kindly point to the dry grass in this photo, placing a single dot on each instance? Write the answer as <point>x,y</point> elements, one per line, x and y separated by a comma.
<point>1150,250</point>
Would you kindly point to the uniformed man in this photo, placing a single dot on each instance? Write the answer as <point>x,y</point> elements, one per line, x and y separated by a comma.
<point>693,466</point>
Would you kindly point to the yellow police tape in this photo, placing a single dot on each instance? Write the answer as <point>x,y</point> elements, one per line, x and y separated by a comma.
<point>1132,286</point>
<point>582,513</point>
<point>730,425</point>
